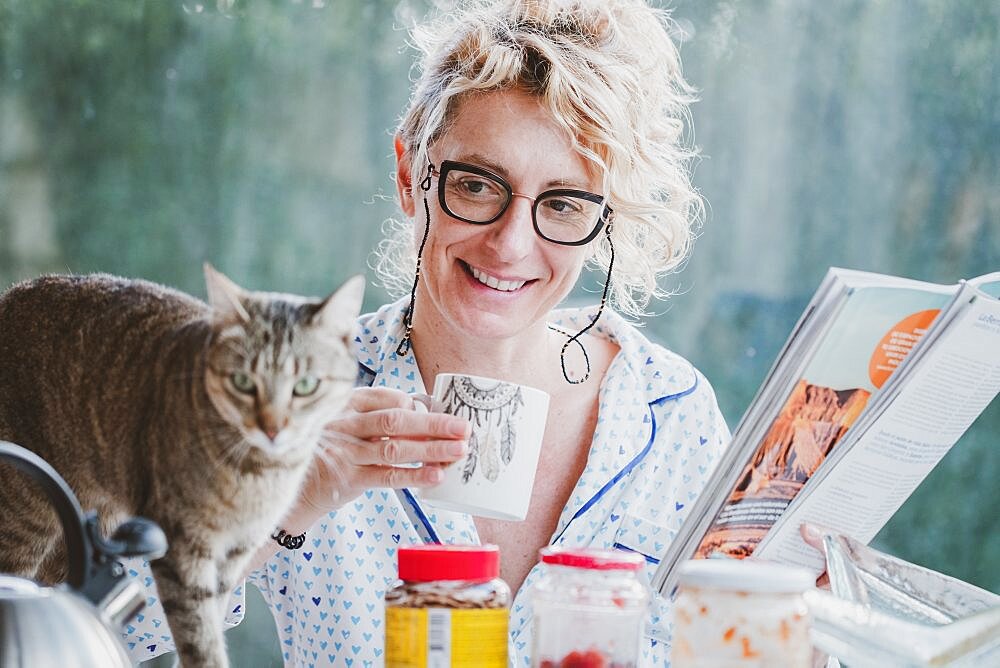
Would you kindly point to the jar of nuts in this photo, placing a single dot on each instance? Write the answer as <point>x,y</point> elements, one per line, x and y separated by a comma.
<point>449,608</point>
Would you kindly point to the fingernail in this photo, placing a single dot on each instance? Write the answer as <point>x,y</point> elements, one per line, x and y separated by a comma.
<point>435,475</point>
<point>809,531</point>
<point>458,448</point>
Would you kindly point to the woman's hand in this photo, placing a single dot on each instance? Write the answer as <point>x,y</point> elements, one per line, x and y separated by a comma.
<point>379,430</point>
<point>813,537</point>
<point>362,448</point>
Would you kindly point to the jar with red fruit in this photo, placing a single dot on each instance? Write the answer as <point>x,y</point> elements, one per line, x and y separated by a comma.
<point>589,609</point>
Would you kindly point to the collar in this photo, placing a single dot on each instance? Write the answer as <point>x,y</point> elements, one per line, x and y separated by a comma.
<point>376,338</point>
<point>659,374</point>
<point>642,375</point>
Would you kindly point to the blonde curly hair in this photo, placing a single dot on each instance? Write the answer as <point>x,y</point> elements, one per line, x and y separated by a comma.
<point>610,74</point>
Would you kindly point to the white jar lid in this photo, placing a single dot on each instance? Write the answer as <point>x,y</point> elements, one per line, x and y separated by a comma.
<point>745,575</point>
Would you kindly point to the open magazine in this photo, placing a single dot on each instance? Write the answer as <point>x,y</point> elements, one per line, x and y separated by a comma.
<point>879,378</point>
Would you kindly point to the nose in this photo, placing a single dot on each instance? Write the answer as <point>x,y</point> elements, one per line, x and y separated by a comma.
<point>513,235</point>
<point>271,423</point>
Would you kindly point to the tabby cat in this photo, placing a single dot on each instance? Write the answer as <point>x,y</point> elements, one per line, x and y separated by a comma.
<point>201,417</point>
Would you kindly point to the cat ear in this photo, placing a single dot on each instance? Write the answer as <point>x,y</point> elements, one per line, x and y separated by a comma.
<point>224,295</point>
<point>339,310</point>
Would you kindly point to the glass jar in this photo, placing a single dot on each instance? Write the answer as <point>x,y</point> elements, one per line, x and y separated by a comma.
<point>448,609</point>
<point>733,613</point>
<point>589,609</point>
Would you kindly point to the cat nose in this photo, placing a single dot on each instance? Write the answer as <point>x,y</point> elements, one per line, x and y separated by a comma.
<point>271,423</point>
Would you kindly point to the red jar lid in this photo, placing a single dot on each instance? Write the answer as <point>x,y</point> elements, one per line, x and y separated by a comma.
<point>424,563</point>
<point>595,560</point>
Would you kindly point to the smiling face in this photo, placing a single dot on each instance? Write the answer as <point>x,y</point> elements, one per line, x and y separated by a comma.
<point>499,280</point>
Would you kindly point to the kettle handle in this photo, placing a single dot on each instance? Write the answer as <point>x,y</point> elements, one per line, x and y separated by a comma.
<point>78,546</point>
<point>94,570</point>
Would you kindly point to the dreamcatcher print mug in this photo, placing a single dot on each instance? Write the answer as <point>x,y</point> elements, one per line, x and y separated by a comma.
<point>508,421</point>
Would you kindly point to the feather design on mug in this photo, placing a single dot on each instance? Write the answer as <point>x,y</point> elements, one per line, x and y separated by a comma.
<point>492,409</point>
<point>507,441</point>
<point>491,458</point>
<point>470,461</point>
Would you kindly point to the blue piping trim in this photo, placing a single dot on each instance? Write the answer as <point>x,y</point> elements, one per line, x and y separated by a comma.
<point>420,515</point>
<point>669,397</point>
<point>611,483</point>
<point>619,546</point>
<point>635,460</point>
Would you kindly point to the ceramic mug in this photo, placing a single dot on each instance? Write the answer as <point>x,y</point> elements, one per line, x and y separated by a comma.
<point>495,478</point>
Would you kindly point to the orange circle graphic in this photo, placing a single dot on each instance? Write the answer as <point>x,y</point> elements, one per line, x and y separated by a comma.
<point>896,344</point>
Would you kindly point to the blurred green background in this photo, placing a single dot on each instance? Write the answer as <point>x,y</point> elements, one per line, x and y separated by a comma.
<point>145,137</point>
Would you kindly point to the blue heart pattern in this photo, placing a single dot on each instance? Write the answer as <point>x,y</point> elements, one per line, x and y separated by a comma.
<point>658,435</point>
<point>148,635</point>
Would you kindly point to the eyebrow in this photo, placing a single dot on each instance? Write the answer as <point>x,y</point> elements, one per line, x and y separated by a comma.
<point>483,161</point>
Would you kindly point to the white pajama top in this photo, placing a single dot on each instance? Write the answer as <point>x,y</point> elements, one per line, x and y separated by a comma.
<point>659,433</point>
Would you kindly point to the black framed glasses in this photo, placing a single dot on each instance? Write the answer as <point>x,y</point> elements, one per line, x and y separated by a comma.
<point>478,196</point>
<point>563,216</point>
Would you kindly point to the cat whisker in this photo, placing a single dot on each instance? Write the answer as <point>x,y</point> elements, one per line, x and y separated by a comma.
<point>236,443</point>
<point>195,442</point>
<point>234,455</point>
<point>213,431</point>
<point>230,456</point>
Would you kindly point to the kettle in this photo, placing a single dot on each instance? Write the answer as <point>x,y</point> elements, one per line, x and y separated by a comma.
<point>76,624</point>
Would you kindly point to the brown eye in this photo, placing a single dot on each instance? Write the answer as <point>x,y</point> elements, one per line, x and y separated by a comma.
<point>243,382</point>
<point>305,386</point>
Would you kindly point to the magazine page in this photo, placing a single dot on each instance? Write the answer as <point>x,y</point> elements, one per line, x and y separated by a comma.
<point>947,389</point>
<point>988,284</point>
<point>835,310</point>
<point>870,336</point>
<point>817,315</point>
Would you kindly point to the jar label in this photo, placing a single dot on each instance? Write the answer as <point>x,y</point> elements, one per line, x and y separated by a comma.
<point>445,638</point>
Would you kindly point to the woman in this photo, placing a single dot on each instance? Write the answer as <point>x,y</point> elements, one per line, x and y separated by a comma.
<point>540,137</point>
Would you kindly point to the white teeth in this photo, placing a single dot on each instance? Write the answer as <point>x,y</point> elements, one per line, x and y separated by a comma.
<point>495,283</point>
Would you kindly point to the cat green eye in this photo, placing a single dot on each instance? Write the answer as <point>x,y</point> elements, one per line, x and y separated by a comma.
<point>305,386</point>
<point>243,382</point>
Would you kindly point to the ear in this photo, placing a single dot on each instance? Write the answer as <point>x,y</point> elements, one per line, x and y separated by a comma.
<point>404,178</point>
<point>224,295</point>
<point>338,311</point>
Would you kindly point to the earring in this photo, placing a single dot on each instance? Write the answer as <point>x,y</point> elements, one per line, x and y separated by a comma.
<point>404,345</point>
<point>576,337</point>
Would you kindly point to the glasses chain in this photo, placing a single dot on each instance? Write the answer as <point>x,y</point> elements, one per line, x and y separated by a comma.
<point>404,345</point>
<point>576,337</point>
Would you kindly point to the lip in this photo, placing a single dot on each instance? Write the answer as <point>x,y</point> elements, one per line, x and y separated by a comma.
<point>504,283</point>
